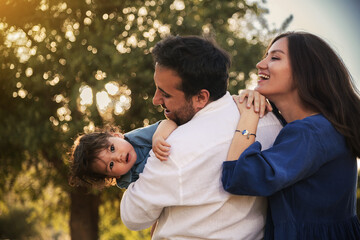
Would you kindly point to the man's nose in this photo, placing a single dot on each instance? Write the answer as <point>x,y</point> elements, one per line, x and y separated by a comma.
<point>157,100</point>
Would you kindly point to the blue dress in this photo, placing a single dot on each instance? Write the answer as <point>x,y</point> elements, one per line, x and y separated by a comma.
<point>141,140</point>
<point>309,176</point>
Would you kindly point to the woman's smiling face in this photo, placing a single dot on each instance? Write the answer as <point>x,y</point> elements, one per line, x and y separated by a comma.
<point>274,71</point>
<point>117,159</point>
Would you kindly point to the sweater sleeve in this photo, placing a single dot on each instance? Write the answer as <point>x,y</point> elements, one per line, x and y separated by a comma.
<point>296,154</point>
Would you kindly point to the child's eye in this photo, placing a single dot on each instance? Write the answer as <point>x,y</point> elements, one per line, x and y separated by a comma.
<point>111,165</point>
<point>112,148</point>
<point>275,58</point>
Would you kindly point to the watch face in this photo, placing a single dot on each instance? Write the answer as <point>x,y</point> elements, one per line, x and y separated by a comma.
<point>245,132</point>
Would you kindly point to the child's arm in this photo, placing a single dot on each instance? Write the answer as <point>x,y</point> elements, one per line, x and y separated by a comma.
<point>160,147</point>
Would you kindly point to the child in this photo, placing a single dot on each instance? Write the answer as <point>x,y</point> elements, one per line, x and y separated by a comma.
<point>100,158</point>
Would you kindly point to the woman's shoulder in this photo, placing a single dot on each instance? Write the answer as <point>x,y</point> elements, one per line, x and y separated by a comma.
<point>310,129</point>
<point>315,123</point>
<point>315,129</point>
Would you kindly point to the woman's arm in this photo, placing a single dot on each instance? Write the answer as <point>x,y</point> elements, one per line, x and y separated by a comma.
<point>252,106</point>
<point>246,129</point>
<point>160,147</point>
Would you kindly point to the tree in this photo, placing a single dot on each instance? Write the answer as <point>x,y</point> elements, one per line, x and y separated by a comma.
<point>68,66</point>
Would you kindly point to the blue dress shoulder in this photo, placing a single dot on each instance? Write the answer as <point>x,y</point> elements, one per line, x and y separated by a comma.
<point>309,176</point>
<point>141,140</point>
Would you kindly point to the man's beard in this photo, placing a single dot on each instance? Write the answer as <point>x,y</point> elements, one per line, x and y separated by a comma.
<point>183,114</point>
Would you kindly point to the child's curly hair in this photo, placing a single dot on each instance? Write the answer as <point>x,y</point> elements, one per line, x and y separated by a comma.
<point>83,153</point>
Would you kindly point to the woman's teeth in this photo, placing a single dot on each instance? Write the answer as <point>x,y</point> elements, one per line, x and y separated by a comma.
<point>263,76</point>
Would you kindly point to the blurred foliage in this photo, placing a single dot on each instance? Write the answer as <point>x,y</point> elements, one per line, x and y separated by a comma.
<point>110,227</point>
<point>53,51</point>
<point>14,224</point>
<point>31,209</point>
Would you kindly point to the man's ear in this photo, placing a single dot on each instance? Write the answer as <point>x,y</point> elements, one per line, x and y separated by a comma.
<point>201,99</point>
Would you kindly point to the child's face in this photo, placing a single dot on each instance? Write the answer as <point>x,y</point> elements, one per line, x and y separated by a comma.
<point>117,159</point>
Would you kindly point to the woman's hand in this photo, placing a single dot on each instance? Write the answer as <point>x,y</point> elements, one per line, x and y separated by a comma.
<point>245,107</point>
<point>254,98</point>
<point>161,148</point>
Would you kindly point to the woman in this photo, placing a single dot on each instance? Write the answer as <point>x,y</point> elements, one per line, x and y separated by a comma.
<point>310,173</point>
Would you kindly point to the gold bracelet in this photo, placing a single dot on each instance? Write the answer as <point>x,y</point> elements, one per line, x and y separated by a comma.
<point>246,133</point>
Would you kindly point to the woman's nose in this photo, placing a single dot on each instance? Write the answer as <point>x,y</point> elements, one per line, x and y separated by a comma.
<point>261,64</point>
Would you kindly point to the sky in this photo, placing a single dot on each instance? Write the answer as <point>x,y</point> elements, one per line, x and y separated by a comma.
<point>336,21</point>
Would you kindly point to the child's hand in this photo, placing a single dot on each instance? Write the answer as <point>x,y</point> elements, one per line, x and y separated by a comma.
<point>261,105</point>
<point>161,148</point>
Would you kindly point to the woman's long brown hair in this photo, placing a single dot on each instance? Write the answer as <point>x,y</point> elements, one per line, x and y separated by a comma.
<point>325,84</point>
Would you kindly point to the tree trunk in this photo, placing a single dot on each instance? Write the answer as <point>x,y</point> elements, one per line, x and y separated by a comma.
<point>84,216</point>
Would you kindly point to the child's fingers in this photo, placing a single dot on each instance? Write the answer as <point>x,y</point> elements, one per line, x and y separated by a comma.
<point>164,143</point>
<point>163,156</point>
<point>158,143</point>
<point>162,150</point>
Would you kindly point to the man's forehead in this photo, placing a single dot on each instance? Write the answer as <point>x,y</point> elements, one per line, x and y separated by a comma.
<point>165,77</point>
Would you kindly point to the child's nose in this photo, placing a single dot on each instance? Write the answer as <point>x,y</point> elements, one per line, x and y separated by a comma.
<point>118,158</point>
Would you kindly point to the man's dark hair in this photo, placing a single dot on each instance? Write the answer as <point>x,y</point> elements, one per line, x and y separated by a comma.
<point>199,62</point>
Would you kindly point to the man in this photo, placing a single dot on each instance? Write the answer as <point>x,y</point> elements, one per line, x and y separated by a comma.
<point>184,194</point>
